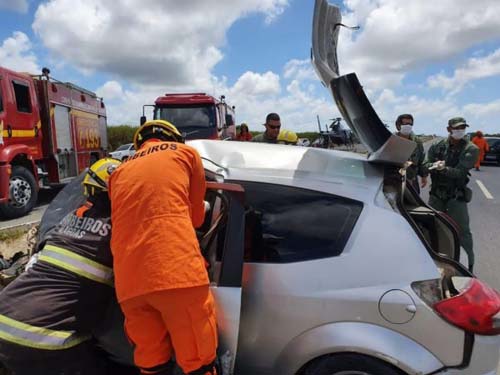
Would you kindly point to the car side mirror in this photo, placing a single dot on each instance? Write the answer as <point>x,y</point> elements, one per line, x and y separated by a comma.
<point>143,120</point>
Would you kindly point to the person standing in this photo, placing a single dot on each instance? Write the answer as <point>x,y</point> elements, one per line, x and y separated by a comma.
<point>273,125</point>
<point>404,125</point>
<point>483,147</point>
<point>244,134</point>
<point>449,162</point>
<point>48,313</point>
<point>162,285</point>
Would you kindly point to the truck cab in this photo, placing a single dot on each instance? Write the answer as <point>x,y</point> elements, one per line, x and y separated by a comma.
<point>196,115</point>
<point>50,131</point>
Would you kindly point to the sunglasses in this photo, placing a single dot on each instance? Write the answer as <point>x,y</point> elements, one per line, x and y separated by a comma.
<point>274,126</point>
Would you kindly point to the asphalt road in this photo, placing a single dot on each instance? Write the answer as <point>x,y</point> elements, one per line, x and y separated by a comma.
<point>45,196</point>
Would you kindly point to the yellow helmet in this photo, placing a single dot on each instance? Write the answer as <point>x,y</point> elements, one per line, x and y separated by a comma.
<point>160,129</point>
<point>287,137</point>
<point>97,177</point>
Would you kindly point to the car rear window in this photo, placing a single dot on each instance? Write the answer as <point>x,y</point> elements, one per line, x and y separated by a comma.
<point>286,224</point>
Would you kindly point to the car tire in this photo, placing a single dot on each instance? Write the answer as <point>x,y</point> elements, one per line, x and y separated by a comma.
<point>350,364</point>
<point>25,191</point>
<point>124,158</point>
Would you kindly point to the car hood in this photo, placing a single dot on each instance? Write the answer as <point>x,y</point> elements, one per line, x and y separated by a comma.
<point>356,109</point>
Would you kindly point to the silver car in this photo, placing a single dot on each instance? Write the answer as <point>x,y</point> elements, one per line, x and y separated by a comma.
<point>325,262</point>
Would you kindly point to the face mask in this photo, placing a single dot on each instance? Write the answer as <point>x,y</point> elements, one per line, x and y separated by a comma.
<point>406,129</point>
<point>458,134</point>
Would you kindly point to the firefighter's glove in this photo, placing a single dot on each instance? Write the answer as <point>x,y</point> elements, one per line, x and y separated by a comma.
<point>438,165</point>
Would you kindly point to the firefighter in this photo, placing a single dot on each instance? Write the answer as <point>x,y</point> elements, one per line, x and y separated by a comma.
<point>449,162</point>
<point>483,147</point>
<point>47,313</point>
<point>162,285</point>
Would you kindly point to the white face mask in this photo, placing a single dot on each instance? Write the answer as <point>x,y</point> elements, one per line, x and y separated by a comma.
<point>406,129</point>
<point>458,133</point>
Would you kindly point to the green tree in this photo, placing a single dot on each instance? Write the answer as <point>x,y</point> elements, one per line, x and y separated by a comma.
<point>119,135</point>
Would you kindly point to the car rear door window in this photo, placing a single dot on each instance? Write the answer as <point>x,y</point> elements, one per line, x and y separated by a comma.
<point>287,224</point>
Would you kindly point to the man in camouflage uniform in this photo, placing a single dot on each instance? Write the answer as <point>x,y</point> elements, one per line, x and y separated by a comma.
<point>449,162</point>
<point>404,125</point>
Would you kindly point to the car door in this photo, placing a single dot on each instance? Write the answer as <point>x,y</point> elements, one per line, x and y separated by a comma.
<point>222,245</point>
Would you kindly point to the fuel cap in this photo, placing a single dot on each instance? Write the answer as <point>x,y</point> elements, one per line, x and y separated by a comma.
<point>397,307</point>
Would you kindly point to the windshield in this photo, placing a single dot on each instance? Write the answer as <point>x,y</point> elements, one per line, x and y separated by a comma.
<point>188,116</point>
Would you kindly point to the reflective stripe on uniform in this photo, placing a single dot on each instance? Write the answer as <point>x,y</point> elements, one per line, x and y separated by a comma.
<point>36,337</point>
<point>78,264</point>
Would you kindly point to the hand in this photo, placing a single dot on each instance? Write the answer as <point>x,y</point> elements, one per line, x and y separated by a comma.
<point>438,165</point>
<point>423,181</point>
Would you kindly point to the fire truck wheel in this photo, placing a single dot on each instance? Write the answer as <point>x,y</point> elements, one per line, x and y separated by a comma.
<point>23,193</point>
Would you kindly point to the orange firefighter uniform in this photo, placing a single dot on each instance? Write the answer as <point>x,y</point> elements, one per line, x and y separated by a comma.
<point>160,276</point>
<point>483,146</point>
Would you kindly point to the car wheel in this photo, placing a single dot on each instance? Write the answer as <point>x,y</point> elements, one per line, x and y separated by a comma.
<point>124,158</point>
<point>349,364</point>
<point>23,193</point>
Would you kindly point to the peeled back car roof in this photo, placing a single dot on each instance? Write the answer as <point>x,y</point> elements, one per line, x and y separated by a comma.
<point>384,147</point>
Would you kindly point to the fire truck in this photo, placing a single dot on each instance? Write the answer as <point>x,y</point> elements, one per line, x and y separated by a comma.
<point>50,131</point>
<point>196,115</point>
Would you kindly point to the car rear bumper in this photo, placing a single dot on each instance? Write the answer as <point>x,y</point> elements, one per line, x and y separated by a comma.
<point>484,360</point>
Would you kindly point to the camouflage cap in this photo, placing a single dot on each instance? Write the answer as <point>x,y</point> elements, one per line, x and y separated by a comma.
<point>455,122</point>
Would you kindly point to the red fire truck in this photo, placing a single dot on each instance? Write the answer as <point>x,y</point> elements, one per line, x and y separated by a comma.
<point>196,115</point>
<point>50,131</point>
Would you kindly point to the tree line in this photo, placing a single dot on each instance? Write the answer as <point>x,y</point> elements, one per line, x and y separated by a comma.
<point>121,134</point>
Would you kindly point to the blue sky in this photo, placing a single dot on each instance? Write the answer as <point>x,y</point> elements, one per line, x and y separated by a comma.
<point>433,59</point>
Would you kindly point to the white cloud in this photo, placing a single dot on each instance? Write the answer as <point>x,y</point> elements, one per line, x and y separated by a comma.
<point>475,68</point>
<point>299,69</point>
<point>255,84</point>
<point>169,42</point>
<point>110,90</point>
<point>397,37</point>
<point>16,54</point>
<point>20,6</point>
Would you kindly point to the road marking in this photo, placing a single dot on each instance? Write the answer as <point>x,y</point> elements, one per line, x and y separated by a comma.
<point>485,191</point>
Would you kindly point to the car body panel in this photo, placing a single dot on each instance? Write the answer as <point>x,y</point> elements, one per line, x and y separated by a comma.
<point>493,155</point>
<point>368,339</point>
<point>282,302</point>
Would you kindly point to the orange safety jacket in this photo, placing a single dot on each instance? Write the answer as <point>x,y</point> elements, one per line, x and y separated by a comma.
<point>483,146</point>
<point>156,202</point>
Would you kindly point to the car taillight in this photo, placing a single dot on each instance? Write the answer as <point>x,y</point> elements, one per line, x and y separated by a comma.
<point>475,309</point>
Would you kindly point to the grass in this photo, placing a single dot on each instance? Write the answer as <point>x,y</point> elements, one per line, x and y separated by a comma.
<point>13,234</point>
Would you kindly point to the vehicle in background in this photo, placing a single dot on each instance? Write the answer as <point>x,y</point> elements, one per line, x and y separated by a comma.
<point>493,155</point>
<point>336,136</point>
<point>196,115</point>
<point>123,152</point>
<point>304,142</point>
<point>50,131</point>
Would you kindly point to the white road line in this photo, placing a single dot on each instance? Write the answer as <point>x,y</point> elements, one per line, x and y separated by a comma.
<point>485,191</point>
